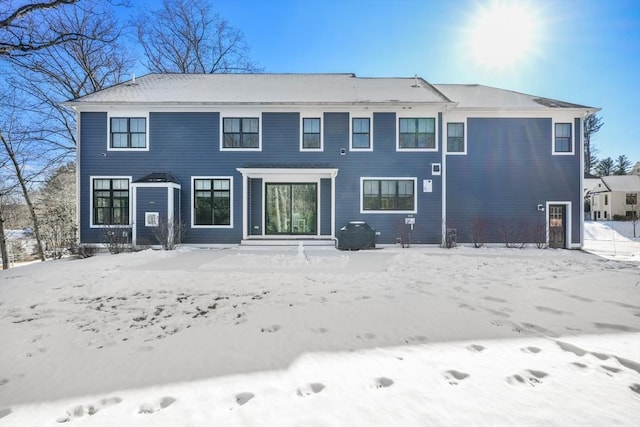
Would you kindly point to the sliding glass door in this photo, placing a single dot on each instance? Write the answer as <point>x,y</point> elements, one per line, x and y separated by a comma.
<point>291,208</point>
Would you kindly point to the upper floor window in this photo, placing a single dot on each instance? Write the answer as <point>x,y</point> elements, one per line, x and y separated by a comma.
<point>128,132</point>
<point>212,201</point>
<point>562,139</point>
<point>110,201</point>
<point>361,133</point>
<point>311,138</point>
<point>631,198</point>
<point>388,194</point>
<point>240,132</point>
<point>455,138</point>
<point>417,133</point>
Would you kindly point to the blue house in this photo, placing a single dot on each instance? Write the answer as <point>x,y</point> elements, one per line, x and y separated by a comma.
<point>252,157</point>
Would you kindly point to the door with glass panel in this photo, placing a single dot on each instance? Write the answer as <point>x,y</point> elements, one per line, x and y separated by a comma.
<point>291,208</point>
<point>557,224</point>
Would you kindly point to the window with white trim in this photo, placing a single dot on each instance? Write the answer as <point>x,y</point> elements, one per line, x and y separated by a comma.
<point>212,201</point>
<point>311,133</point>
<point>563,142</point>
<point>360,133</point>
<point>455,138</point>
<point>388,194</point>
<point>417,133</point>
<point>241,132</point>
<point>128,132</point>
<point>110,197</point>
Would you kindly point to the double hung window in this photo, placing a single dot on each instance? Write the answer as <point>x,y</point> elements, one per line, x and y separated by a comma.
<point>388,194</point>
<point>361,133</point>
<point>455,138</point>
<point>110,201</point>
<point>563,141</point>
<point>128,132</point>
<point>311,138</point>
<point>240,132</point>
<point>212,201</point>
<point>417,133</point>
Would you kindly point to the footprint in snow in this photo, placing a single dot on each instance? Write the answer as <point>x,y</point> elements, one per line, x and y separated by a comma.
<point>419,339</point>
<point>309,389</point>
<point>383,382</point>
<point>90,409</point>
<point>157,405</point>
<point>529,377</point>
<point>454,376</point>
<point>242,398</point>
<point>634,388</point>
<point>274,328</point>
<point>475,348</point>
<point>531,350</point>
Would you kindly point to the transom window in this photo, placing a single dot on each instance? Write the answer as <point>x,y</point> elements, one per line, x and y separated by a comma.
<point>563,143</point>
<point>128,132</point>
<point>455,138</point>
<point>110,201</point>
<point>417,133</point>
<point>212,201</point>
<point>240,132</point>
<point>388,195</point>
<point>361,133</point>
<point>311,133</point>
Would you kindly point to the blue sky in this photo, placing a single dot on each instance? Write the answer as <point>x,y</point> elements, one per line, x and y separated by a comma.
<point>582,51</point>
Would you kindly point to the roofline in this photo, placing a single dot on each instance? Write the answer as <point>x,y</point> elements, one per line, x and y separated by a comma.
<point>74,104</point>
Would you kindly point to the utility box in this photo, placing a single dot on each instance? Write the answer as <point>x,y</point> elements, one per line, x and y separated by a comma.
<point>356,235</point>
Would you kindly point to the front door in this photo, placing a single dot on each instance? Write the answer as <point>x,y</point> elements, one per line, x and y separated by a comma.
<point>557,226</point>
<point>291,208</point>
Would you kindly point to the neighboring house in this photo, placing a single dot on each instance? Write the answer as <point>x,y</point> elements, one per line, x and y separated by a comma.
<point>616,197</point>
<point>635,170</point>
<point>254,157</point>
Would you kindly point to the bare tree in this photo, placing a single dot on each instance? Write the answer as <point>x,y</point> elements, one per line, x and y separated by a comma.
<point>27,27</point>
<point>66,71</point>
<point>185,36</point>
<point>12,144</point>
<point>591,125</point>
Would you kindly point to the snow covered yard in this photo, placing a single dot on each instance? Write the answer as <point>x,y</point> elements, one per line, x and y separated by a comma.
<point>318,337</point>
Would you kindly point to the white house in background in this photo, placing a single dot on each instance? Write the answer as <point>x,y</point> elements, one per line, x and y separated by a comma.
<point>616,196</point>
<point>636,169</point>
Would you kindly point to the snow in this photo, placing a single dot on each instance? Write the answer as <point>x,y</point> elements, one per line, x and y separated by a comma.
<point>312,336</point>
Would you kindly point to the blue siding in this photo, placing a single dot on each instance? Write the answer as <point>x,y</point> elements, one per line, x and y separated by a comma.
<point>509,169</point>
<point>325,207</point>
<point>150,200</point>
<point>255,206</point>
<point>507,172</point>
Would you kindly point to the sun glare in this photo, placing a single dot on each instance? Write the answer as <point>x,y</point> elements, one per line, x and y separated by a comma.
<point>502,34</point>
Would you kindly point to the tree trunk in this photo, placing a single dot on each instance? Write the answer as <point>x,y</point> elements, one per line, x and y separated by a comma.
<point>3,243</point>
<point>25,193</point>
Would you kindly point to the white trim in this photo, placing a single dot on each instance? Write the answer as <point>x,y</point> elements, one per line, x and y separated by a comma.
<point>79,205</point>
<point>240,115</point>
<point>445,143</point>
<point>392,178</point>
<point>192,199</point>
<point>319,116</point>
<point>567,232</point>
<point>285,175</point>
<point>553,138</point>
<point>581,182</point>
<point>128,114</point>
<point>367,115</point>
<point>91,178</point>
<point>416,115</point>
<point>170,186</point>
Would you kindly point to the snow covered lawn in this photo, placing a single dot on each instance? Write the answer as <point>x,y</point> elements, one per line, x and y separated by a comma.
<point>319,337</point>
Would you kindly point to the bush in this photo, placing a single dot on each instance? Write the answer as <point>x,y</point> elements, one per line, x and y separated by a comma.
<point>116,238</point>
<point>479,229</point>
